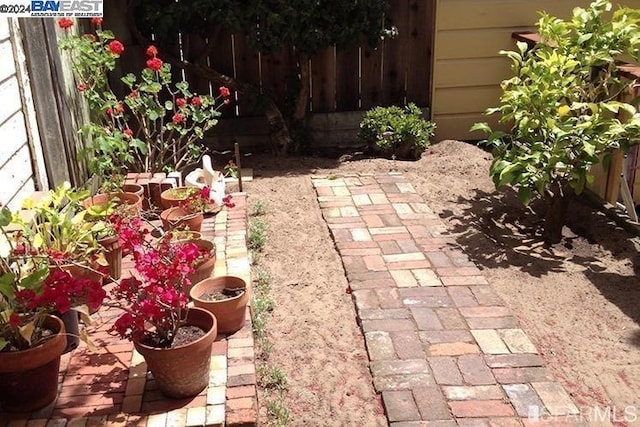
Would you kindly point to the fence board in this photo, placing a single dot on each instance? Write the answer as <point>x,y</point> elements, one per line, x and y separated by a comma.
<point>394,55</point>
<point>348,79</point>
<point>371,78</point>
<point>419,49</point>
<point>247,70</point>
<point>194,48</point>
<point>323,74</point>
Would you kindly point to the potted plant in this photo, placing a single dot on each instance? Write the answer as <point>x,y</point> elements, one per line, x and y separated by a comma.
<point>174,340</point>
<point>116,184</point>
<point>31,339</point>
<point>189,213</point>
<point>156,125</point>
<point>224,296</point>
<point>173,197</point>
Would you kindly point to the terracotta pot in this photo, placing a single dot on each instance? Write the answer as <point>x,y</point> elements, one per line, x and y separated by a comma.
<point>113,255</point>
<point>29,378</point>
<point>173,196</point>
<point>119,198</point>
<point>231,312</point>
<point>183,371</point>
<point>136,189</point>
<point>176,218</point>
<point>204,270</point>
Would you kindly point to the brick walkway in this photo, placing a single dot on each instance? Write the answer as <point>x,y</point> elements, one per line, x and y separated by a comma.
<point>112,387</point>
<point>444,349</point>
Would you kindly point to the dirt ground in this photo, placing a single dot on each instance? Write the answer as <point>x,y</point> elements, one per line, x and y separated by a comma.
<point>579,301</point>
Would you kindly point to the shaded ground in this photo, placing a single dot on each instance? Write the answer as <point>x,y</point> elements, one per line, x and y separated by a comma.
<point>579,301</point>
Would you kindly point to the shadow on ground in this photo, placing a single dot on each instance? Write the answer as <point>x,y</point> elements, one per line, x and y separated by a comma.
<point>496,231</point>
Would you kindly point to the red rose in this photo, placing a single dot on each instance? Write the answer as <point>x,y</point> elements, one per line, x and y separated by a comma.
<point>65,23</point>
<point>154,63</point>
<point>152,52</point>
<point>116,47</point>
<point>224,92</point>
<point>128,132</point>
<point>81,87</point>
<point>178,118</point>
<point>181,102</point>
<point>196,101</point>
<point>96,21</point>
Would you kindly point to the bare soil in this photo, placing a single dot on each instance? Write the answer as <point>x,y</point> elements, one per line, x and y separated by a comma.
<point>579,301</point>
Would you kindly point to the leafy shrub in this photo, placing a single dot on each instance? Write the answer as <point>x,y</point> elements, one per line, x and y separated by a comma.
<point>400,132</point>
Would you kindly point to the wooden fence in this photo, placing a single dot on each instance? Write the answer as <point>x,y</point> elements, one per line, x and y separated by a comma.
<point>358,78</point>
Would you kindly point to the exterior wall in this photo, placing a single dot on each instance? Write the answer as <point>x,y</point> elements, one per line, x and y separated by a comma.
<point>467,67</point>
<point>21,166</point>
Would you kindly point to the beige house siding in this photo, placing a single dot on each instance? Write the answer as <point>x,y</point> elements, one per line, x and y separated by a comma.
<point>21,162</point>
<point>467,67</point>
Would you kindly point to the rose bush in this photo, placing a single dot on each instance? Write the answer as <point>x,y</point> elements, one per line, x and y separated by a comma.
<point>156,126</point>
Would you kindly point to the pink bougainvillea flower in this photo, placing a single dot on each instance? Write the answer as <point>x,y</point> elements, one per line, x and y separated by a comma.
<point>65,23</point>
<point>205,192</point>
<point>224,92</point>
<point>14,320</point>
<point>196,101</point>
<point>128,132</point>
<point>134,94</point>
<point>116,47</point>
<point>227,101</point>
<point>81,87</point>
<point>96,21</point>
<point>109,111</point>
<point>177,118</point>
<point>154,63</point>
<point>181,102</point>
<point>152,52</point>
<point>227,201</point>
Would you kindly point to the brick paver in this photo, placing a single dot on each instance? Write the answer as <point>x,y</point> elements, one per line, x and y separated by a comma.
<point>112,387</point>
<point>444,349</point>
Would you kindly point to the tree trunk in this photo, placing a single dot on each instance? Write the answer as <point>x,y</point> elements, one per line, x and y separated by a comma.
<point>302,98</point>
<point>558,202</point>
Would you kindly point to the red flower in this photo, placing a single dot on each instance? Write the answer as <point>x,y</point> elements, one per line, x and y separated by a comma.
<point>128,132</point>
<point>152,52</point>
<point>82,87</point>
<point>119,108</point>
<point>205,192</point>
<point>109,111</point>
<point>181,102</point>
<point>177,118</point>
<point>96,21</point>
<point>224,92</point>
<point>14,320</point>
<point>65,23</point>
<point>133,94</point>
<point>196,101</point>
<point>154,63</point>
<point>227,101</point>
<point>116,47</point>
<point>227,201</point>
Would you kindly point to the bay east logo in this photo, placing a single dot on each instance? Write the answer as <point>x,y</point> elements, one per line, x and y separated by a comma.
<point>78,8</point>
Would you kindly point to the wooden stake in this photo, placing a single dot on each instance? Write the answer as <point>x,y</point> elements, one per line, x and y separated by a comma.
<point>238,165</point>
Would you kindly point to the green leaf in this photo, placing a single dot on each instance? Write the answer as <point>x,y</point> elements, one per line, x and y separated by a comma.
<point>168,105</point>
<point>5,216</point>
<point>524,194</point>
<point>34,280</point>
<point>6,284</point>
<point>3,343</point>
<point>483,126</point>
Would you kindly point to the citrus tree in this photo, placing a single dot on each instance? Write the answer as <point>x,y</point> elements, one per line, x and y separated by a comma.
<point>564,108</point>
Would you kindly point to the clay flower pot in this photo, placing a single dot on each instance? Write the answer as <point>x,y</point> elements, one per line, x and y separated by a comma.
<point>119,198</point>
<point>183,371</point>
<point>176,218</point>
<point>230,312</point>
<point>29,378</point>
<point>113,255</point>
<point>136,189</point>
<point>204,269</point>
<point>173,196</point>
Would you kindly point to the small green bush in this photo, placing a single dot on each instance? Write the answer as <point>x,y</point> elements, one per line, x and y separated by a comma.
<point>395,131</point>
